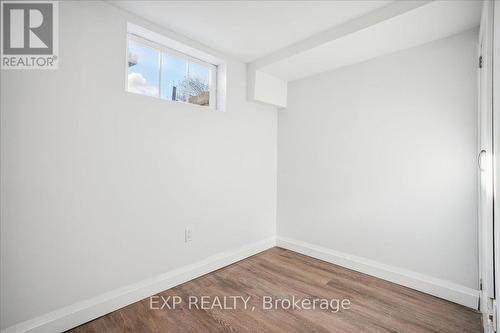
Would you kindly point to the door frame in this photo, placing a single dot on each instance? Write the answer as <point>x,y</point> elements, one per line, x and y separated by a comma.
<point>496,149</point>
<point>487,233</point>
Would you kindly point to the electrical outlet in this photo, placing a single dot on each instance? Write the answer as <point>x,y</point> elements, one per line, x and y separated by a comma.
<point>188,235</point>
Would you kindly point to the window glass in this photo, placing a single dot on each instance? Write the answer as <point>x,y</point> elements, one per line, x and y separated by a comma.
<point>174,70</point>
<point>143,69</point>
<point>198,85</point>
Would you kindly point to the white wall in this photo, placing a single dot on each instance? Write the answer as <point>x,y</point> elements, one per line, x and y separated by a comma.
<point>378,160</point>
<point>98,184</point>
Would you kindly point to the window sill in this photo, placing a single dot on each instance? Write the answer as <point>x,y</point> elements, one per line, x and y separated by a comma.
<point>180,104</point>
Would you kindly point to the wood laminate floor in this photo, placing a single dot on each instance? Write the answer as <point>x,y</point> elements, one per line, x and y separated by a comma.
<point>376,305</point>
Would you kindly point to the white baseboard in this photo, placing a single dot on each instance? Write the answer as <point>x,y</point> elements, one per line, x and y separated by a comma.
<point>486,307</point>
<point>82,312</point>
<point>441,288</point>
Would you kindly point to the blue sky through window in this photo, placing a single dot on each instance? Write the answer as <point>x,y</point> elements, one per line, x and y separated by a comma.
<point>143,77</point>
<point>173,72</point>
<point>200,72</point>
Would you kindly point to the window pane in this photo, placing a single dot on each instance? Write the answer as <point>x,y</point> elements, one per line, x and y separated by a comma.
<point>198,84</point>
<point>173,75</point>
<point>143,69</point>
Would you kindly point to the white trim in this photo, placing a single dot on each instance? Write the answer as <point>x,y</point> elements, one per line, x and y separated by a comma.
<point>82,312</point>
<point>168,50</point>
<point>485,185</point>
<point>173,44</point>
<point>496,151</point>
<point>427,284</point>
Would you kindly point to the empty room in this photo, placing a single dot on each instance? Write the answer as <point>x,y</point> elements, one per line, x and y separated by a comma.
<point>250,166</point>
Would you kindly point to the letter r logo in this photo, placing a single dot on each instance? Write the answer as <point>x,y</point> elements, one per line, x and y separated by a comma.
<point>27,28</point>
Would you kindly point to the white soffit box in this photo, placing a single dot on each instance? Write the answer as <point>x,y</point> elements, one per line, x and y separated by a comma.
<point>270,90</point>
<point>425,23</point>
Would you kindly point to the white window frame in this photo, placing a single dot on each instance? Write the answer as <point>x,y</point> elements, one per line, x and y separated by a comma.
<point>162,49</point>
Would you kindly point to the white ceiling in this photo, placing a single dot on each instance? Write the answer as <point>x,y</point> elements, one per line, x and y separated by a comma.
<point>247,30</point>
<point>295,39</point>
<point>421,25</point>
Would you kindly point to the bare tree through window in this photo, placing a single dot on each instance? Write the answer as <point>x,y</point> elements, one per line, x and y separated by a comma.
<point>193,90</point>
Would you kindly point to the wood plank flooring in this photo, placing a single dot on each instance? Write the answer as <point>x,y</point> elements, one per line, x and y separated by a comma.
<point>376,305</point>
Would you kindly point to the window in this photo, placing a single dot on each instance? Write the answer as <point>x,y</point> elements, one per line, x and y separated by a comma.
<point>158,71</point>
